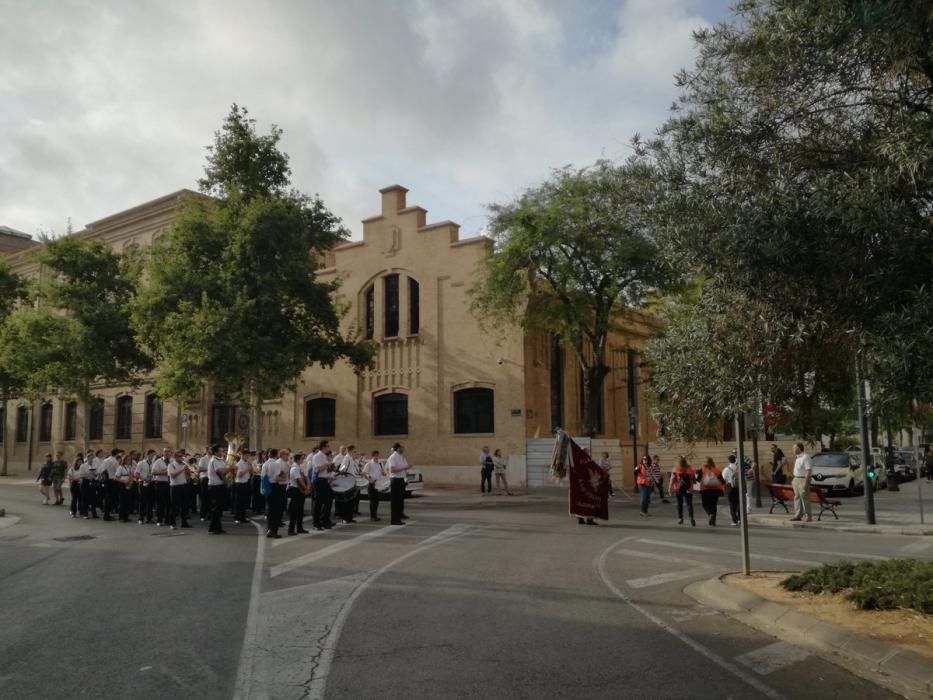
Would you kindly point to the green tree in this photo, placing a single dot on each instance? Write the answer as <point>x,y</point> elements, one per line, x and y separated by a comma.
<point>570,257</point>
<point>12,290</point>
<point>229,295</point>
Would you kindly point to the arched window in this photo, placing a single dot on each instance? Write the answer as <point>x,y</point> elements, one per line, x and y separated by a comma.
<point>45,422</point>
<point>22,424</point>
<point>390,299</point>
<point>320,417</point>
<point>474,411</point>
<point>71,420</point>
<point>414,306</point>
<point>96,419</point>
<point>124,418</point>
<point>390,414</point>
<point>153,417</point>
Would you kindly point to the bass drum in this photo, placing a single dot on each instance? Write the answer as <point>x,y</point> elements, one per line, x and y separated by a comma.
<point>344,488</point>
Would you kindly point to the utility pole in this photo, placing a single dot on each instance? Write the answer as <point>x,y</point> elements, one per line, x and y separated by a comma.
<point>863,438</point>
<point>743,509</point>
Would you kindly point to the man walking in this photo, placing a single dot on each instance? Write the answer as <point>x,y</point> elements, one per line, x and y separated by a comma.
<point>803,470</point>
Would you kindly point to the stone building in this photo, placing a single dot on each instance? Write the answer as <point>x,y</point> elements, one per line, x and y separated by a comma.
<point>441,385</point>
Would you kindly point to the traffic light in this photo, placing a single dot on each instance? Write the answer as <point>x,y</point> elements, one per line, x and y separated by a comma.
<point>871,472</point>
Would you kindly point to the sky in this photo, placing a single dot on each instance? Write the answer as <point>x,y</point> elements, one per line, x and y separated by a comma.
<point>106,104</point>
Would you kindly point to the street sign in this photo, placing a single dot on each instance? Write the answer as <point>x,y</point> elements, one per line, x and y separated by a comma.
<point>185,419</point>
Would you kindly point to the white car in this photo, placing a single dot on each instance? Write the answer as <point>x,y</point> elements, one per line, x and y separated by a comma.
<point>837,472</point>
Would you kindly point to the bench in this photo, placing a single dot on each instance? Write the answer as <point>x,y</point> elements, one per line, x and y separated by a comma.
<point>782,493</point>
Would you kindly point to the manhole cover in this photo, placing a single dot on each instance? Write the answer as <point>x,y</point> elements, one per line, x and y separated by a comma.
<point>73,538</point>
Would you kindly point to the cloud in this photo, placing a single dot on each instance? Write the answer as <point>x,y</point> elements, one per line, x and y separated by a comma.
<point>110,104</point>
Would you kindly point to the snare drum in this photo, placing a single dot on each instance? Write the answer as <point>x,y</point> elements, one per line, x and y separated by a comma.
<point>344,488</point>
<point>383,484</point>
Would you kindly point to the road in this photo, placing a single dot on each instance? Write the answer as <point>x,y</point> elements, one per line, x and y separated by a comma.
<point>477,597</point>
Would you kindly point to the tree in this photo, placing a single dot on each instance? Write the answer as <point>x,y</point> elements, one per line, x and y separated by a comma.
<point>229,295</point>
<point>570,257</point>
<point>12,290</point>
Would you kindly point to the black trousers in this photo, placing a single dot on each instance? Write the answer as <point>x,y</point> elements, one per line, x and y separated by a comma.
<point>193,496</point>
<point>323,499</point>
<point>218,495</point>
<point>296,510</point>
<point>397,494</point>
<point>684,497</point>
<point>204,492</point>
<point>276,507</point>
<point>180,496</point>
<point>124,496</point>
<point>346,509</point>
<point>146,496</point>
<point>162,501</point>
<point>373,501</point>
<point>486,479</point>
<point>75,489</point>
<point>732,493</point>
<point>241,497</point>
<point>112,489</point>
<point>88,497</point>
<point>710,499</point>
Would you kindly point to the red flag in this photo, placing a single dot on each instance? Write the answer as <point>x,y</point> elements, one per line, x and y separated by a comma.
<point>589,486</point>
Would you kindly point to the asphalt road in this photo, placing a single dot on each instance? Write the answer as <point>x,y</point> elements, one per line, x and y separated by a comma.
<point>478,597</point>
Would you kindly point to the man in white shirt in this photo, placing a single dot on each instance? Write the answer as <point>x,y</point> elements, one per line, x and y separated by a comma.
<point>161,489</point>
<point>242,485</point>
<point>87,486</point>
<point>144,481</point>
<point>350,466</point>
<point>106,470</point>
<point>398,467</point>
<point>803,470</point>
<point>204,494</point>
<point>373,471</point>
<point>178,479</point>
<point>121,479</point>
<point>320,481</point>
<point>296,493</point>
<point>276,471</point>
<point>217,469</point>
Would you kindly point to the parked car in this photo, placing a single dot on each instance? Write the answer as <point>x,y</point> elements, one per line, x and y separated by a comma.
<point>837,472</point>
<point>905,464</point>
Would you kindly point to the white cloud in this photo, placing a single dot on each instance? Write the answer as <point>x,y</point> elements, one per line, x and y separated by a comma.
<point>109,104</point>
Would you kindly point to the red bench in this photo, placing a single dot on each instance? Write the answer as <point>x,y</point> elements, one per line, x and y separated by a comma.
<point>781,494</point>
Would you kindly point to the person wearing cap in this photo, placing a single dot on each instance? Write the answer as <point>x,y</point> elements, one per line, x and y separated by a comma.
<point>398,467</point>
<point>146,489</point>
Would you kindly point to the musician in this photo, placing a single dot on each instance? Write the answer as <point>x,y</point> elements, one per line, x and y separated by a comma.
<point>398,467</point>
<point>373,471</point>
<point>217,469</point>
<point>298,490</point>
<point>86,473</point>
<point>108,486</point>
<point>97,463</point>
<point>146,489</point>
<point>161,488</point>
<point>204,492</point>
<point>350,466</point>
<point>258,501</point>
<point>121,478</point>
<point>178,480</point>
<point>242,485</point>
<point>277,472</point>
<point>320,479</point>
<point>74,485</point>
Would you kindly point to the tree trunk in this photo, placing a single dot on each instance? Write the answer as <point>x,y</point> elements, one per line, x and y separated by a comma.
<point>86,428</point>
<point>6,438</point>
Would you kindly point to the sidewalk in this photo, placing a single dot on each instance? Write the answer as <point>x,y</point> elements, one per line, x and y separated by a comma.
<point>896,512</point>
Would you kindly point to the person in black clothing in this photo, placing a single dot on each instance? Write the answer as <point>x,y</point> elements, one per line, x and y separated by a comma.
<point>45,479</point>
<point>777,465</point>
<point>488,465</point>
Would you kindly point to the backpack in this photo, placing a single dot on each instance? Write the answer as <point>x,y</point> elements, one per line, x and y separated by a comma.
<point>265,487</point>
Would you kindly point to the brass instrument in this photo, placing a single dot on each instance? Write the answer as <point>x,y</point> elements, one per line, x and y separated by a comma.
<point>234,442</point>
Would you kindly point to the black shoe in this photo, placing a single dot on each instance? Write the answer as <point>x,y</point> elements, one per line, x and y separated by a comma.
<point>319,529</point>
<point>664,500</point>
<point>404,517</point>
<point>186,525</point>
<point>302,531</point>
<point>291,533</point>
<point>396,522</point>
<point>348,522</point>
<point>581,521</point>
<point>108,519</point>
<point>94,516</point>
<point>327,526</point>
<point>590,521</point>
<point>274,536</point>
<point>375,519</point>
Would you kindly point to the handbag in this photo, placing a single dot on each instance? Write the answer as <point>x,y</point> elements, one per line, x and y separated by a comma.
<point>265,487</point>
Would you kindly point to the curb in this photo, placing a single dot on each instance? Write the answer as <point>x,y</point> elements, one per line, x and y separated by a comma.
<point>8,521</point>
<point>880,662</point>
<point>911,530</point>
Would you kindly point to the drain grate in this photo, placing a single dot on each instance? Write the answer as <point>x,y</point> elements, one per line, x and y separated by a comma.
<point>74,538</point>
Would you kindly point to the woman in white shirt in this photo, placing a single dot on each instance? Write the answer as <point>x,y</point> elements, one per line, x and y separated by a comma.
<point>242,484</point>
<point>498,465</point>
<point>296,493</point>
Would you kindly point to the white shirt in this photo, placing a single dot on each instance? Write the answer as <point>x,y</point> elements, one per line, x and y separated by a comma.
<point>72,474</point>
<point>802,466</point>
<point>320,463</point>
<point>122,474</point>
<point>84,471</point>
<point>143,470</point>
<point>159,470</point>
<point>244,470</point>
<point>275,469</point>
<point>109,466</point>
<point>294,474</point>
<point>374,470</point>
<point>202,466</point>
<point>397,466</point>
<point>213,478</point>
<point>95,467</point>
<point>350,466</point>
<point>177,473</point>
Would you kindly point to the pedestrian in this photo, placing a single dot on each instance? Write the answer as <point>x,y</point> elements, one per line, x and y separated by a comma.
<point>657,475</point>
<point>74,485</point>
<point>730,478</point>
<point>45,479</point>
<point>751,476</point>
<point>146,488</point>
<point>297,491</point>
<point>204,489</point>
<point>350,466</point>
<point>374,471</point>
<point>929,463</point>
<point>242,487</point>
<point>803,470</point>
<point>398,467</point>
<point>108,486</point>
<point>161,488</point>
<point>486,468</point>
<point>178,479</point>
<point>777,465</point>
<point>606,466</point>
<point>711,488</point>
<point>122,480</point>
<point>59,467</point>
<point>681,485</point>
<point>88,487</point>
<point>258,502</point>
<point>499,466</point>
<point>320,483</point>
<point>217,469</point>
<point>645,485</point>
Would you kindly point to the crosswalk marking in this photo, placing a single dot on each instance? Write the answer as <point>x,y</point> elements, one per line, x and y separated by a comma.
<point>772,658</point>
<point>658,557</point>
<point>848,555</point>
<point>306,559</point>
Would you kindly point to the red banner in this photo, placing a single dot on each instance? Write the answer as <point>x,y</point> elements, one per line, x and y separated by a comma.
<point>589,486</point>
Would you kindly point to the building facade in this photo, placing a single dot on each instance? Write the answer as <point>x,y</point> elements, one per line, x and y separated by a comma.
<point>442,384</point>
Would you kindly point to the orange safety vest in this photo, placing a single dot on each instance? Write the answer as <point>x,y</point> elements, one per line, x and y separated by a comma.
<point>643,478</point>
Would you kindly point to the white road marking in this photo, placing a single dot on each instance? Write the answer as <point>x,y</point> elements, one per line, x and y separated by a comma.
<point>848,555</point>
<point>728,552</point>
<point>917,547</point>
<point>599,563</point>
<point>306,559</point>
<point>248,654</point>
<point>658,557</point>
<point>298,538</point>
<point>772,658</point>
<point>684,614</point>
<point>658,579</point>
<point>681,545</point>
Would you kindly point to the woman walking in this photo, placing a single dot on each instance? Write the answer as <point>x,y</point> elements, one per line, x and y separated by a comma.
<point>645,485</point>
<point>45,479</point>
<point>682,479</point>
<point>498,464</point>
<point>711,488</point>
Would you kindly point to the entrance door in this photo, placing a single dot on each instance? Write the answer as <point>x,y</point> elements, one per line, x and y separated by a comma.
<point>224,419</point>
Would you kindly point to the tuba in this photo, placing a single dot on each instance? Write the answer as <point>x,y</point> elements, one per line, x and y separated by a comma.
<point>234,442</point>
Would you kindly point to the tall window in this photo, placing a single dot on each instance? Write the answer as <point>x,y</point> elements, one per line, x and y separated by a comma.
<point>95,420</point>
<point>153,416</point>
<point>390,414</point>
<point>599,404</point>
<point>474,411</point>
<point>124,418</point>
<point>71,420</point>
<point>556,379</point>
<point>414,307</point>
<point>22,424</point>
<point>370,301</point>
<point>45,422</point>
<point>391,306</point>
<point>320,418</point>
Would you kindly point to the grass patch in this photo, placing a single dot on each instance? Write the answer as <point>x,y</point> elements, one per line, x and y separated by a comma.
<point>887,585</point>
